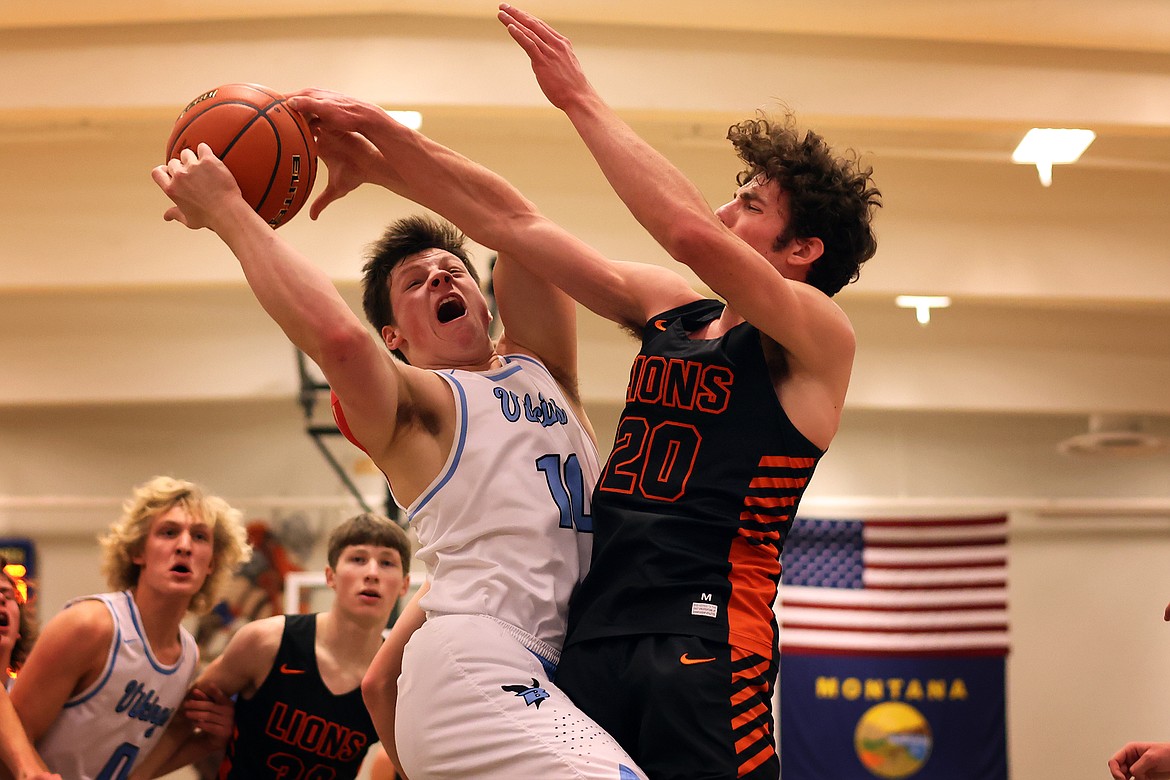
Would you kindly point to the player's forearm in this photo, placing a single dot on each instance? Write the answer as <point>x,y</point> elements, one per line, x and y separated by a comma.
<point>664,201</point>
<point>296,294</point>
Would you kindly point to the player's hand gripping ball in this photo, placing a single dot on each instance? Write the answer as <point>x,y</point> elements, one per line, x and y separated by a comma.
<point>266,145</point>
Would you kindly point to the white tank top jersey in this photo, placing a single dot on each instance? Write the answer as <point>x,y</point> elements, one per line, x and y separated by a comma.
<point>104,729</point>
<point>504,528</point>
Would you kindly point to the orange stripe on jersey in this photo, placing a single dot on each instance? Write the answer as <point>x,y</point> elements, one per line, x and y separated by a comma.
<point>754,568</point>
<point>759,536</point>
<point>783,501</point>
<point>751,672</point>
<point>744,718</point>
<point>767,501</point>
<point>766,752</point>
<point>782,462</point>
<point>778,482</point>
<point>747,740</point>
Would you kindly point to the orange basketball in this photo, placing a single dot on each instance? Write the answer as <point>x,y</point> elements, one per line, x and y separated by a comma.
<point>266,145</point>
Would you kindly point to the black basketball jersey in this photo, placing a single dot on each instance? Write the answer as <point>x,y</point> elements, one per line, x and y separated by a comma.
<point>698,494</point>
<point>293,726</point>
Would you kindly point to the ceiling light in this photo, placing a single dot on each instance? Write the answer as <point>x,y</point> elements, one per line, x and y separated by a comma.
<point>412,119</point>
<point>922,304</point>
<point>1047,146</point>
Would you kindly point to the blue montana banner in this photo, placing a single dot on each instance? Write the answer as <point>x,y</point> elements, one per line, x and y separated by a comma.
<point>893,639</point>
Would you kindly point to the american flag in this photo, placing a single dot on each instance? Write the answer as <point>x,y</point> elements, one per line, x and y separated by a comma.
<point>901,587</point>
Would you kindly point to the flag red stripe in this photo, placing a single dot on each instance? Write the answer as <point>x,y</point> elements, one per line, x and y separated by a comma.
<point>873,544</point>
<point>967,522</point>
<point>940,629</point>
<point>973,564</point>
<point>941,586</point>
<point>899,608</point>
<point>906,653</point>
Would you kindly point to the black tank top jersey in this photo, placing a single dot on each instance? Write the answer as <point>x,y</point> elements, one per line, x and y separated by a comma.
<point>698,494</point>
<point>293,726</point>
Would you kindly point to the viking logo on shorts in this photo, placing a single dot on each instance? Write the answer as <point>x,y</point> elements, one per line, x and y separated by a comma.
<point>532,694</point>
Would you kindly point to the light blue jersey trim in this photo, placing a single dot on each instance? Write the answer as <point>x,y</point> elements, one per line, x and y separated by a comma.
<point>533,361</point>
<point>117,643</point>
<point>158,666</point>
<point>462,440</point>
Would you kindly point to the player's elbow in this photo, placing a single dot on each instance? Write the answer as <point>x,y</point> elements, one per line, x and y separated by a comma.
<point>693,241</point>
<point>342,343</point>
<point>379,696</point>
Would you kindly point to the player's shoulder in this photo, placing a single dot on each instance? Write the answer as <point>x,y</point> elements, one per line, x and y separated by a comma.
<point>86,627</point>
<point>259,633</point>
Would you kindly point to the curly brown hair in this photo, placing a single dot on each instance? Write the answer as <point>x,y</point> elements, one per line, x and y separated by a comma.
<point>830,197</point>
<point>127,536</point>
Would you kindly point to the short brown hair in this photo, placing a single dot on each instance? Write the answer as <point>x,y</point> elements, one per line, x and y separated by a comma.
<point>408,236</point>
<point>375,530</point>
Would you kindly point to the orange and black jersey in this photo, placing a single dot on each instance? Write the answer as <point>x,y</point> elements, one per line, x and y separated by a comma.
<point>698,494</point>
<point>294,726</point>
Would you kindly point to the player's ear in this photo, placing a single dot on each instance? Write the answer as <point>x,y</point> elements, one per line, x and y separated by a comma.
<point>329,576</point>
<point>391,337</point>
<point>806,251</point>
<point>405,586</point>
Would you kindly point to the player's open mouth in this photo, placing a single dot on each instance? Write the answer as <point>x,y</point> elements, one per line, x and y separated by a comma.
<point>4,619</point>
<point>179,568</point>
<point>372,594</point>
<point>450,308</point>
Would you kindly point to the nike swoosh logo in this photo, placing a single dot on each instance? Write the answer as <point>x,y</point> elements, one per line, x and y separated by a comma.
<point>686,659</point>
<point>284,669</point>
<point>660,324</point>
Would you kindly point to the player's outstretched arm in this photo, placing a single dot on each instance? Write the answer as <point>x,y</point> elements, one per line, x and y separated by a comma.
<point>359,136</point>
<point>298,296</point>
<point>673,210</point>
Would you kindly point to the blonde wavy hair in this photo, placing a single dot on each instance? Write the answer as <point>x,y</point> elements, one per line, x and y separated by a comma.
<point>127,536</point>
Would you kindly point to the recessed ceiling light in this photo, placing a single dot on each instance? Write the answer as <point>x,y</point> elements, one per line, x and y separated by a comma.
<point>1048,146</point>
<point>922,304</point>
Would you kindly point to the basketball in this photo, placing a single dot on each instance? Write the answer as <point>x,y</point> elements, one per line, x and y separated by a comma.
<point>266,145</point>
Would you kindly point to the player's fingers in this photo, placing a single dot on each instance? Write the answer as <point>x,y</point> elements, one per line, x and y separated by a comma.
<point>307,102</point>
<point>533,23</point>
<point>324,199</point>
<point>215,694</point>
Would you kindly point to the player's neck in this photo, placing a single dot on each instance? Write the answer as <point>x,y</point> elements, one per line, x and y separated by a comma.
<point>348,637</point>
<point>161,617</point>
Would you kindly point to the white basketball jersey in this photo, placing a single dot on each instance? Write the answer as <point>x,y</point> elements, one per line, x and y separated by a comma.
<point>505,528</point>
<point>104,729</point>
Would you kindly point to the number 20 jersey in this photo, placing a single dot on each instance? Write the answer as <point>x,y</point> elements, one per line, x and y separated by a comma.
<point>693,506</point>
